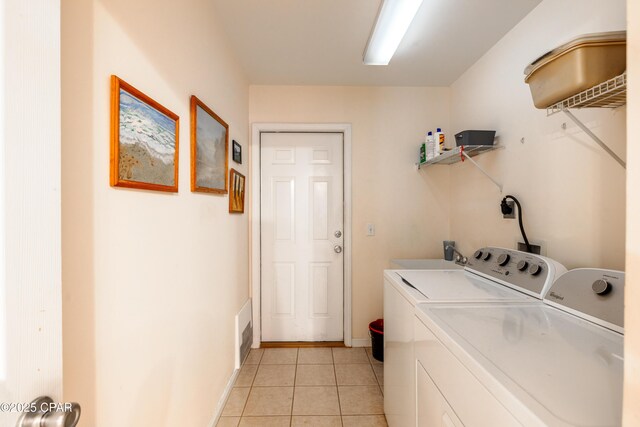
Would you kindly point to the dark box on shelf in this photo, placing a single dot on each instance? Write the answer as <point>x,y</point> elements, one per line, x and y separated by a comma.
<point>475,137</point>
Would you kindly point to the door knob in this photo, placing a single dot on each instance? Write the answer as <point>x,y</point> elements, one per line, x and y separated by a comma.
<point>338,234</point>
<point>337,249</point>
<point>43,412</point>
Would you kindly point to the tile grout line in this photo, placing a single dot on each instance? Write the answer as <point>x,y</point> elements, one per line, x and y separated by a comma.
<point>378,381</point>
<point>251,386</point>
<point>335,375</point>
<point>375,361</point>
<point>234,386</point>
<point>371,359</point>
<point>295,378</point>
<point>244,407</point>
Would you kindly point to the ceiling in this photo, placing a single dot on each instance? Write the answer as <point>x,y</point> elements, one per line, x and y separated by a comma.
<point>321,42</point>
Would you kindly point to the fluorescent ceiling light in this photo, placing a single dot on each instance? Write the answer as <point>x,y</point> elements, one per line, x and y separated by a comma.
<point>393,21</point>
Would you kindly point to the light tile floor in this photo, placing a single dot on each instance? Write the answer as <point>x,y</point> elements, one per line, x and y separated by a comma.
<point>323,387</point>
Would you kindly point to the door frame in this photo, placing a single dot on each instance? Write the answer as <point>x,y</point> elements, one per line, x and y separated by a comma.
<point>31,315</point>
<point>256,256</point>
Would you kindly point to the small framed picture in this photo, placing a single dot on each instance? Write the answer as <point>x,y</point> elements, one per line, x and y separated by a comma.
<point>236,192</point>
<point>144,141</point>
<point>237,152</point>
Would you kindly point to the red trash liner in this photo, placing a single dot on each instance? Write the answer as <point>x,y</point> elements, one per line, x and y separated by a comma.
<point>377,326</point>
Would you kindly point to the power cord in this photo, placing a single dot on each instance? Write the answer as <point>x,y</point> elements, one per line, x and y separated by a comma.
<point>506,210</point>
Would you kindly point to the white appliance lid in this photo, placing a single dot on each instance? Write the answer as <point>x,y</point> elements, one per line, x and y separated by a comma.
<point>452,285</point>
<point>565,369</point>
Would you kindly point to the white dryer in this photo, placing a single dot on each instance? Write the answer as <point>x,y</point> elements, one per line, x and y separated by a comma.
<point>559,363</point>
<point>492,274</point>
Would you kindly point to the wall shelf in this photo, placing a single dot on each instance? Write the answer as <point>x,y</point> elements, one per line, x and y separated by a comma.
<point>610,94</point>
<point>453,156</point>
<point>459,154</point>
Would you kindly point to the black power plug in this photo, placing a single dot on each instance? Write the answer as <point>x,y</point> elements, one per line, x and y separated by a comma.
<point>507,208</point>
<point>507,211</point>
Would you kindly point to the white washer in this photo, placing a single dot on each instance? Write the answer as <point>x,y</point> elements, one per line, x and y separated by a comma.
<point>492,274</point>
<point>559,363</point>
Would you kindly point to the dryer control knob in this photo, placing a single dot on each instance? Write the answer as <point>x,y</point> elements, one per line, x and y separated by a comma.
<point>601,287</point>
<point>477,254</point>
<point>523,265</point>
<point>503,259</point>
<point>535,269</point>
<point>487,256</point>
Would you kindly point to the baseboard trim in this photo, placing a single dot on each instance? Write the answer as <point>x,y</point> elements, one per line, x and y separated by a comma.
<point>224,397</point>
<point>360,342</point>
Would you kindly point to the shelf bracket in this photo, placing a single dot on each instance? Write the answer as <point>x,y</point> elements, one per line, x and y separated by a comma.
<point>497,184</point>
<point>594,137</point>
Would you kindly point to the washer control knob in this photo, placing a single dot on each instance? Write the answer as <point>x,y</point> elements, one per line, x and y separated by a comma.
<point>487,256</point>
<point>503,259</point>
<point>601,287</point>
<point>523,265</point>
<point>535,269</point>
<point>477,254</point>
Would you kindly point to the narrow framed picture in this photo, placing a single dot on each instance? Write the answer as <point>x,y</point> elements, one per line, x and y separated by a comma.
<point>237,152</point>
<point>236,192</point>
<point>209,149</point>
<point>144,141</point>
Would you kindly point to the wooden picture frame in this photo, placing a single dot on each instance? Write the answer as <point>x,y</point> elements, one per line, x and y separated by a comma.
<point>144,141</point>
<point>236,152</point>
<point>237,183</point>
<point>209,149</point>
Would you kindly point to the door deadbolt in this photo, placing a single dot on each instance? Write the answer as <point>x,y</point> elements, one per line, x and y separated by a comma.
<point>338,233</point>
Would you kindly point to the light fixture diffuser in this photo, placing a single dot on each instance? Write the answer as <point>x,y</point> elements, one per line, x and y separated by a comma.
<point>392,23</point>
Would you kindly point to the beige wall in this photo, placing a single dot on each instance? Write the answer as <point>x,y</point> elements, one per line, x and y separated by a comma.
<point>632,288</point>
<point>572,192</point>
<point>409,208</point>
<point>151,281</point>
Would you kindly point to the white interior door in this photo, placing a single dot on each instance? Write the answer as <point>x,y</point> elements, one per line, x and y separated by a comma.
<point>302,204</point>
<point>30,263</point>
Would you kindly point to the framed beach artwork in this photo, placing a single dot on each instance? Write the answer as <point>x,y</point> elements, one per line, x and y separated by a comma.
<point>236,192</point>
<point>209,149</point>
<point>144,141</point>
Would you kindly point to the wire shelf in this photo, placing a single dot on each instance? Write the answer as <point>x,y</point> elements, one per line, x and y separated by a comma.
<point>453,156</point>
<point>610,94</point>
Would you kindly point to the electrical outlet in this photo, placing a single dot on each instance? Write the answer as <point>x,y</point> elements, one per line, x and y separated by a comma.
<point>536,249</point>
<point>539,246</point>
<point>371,230</point>
<point>512,215</point>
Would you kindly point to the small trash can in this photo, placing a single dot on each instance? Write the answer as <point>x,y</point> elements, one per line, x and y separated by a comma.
<point>376,330</point>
